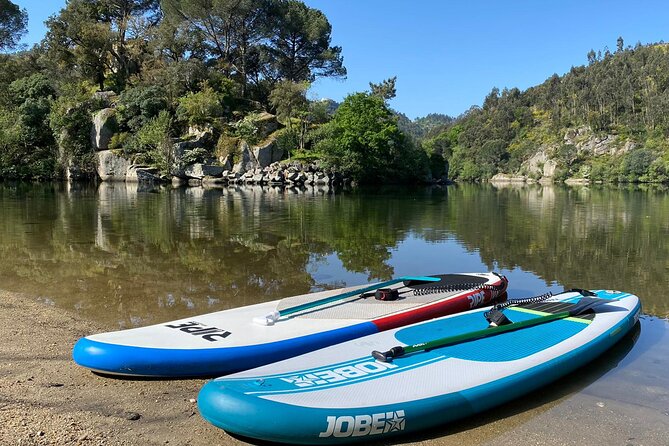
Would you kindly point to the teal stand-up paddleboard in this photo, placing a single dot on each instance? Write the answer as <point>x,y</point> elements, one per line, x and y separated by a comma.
<point>422,375</point>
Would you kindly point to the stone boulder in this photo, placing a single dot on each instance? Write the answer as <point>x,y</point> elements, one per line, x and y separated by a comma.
<point>248,177</point>
<point>534,166</point>
<point>214,181</point>
<point>259,178</point>
<point>247,161</point>
<point>204,140</point>
<point>321,179</point>
<point>200,171</point>
<point>292,176</point>
<point>549,169</point>
<point>226,162</point>
<point>111,167</point>
<point>106,97</point>
<point>104,127</point>
<point>577,181</point>
<point>506,178</point>
<point>540,165</point>
<point>267,153</point>
<point>142,174</point>
<point>179,182</point>
<point>199,132</point>
<point>276,179</point>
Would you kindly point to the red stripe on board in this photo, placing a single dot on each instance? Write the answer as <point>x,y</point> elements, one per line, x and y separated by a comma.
<point>453,305</point>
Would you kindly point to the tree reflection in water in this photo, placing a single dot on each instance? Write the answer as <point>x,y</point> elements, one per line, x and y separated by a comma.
<point>127,256</point>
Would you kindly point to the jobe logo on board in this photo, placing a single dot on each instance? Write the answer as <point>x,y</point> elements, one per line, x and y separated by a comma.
<point>211,334</point>
<point>476,299</point>
<point>361,425</point>
<point>339,374</point>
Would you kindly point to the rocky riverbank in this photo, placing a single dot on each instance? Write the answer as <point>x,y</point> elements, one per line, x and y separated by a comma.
<point>204,157</point>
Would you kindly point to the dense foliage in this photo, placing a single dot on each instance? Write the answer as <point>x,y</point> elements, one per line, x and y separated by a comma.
<point>624,94</point>
<point>364,140</point>
<point>13,22</point>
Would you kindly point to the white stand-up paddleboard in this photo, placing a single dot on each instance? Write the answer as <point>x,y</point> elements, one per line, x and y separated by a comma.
<point>241,338</point>
<point>421,375</point>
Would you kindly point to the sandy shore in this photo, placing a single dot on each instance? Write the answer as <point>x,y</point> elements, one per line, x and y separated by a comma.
<point>45,399</point>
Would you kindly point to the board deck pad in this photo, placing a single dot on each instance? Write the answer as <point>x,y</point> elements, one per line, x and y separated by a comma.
<point>357,307</point>
<point>342,394</point>
<point>556,307</point>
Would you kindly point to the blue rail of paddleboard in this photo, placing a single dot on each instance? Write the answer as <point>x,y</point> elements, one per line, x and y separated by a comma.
<point>165,362</point>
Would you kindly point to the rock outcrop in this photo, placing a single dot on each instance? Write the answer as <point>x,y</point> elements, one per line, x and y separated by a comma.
<point>247,161</point>
<point>142,174</point>
<point>104,127</point>
<point>506,178</point>
<point>111,166</point>
<point>250,158</point>
<point>201,171</point>
<point>183,149</point>
<point>540,165</point>
<point>267,153</point>
<point>543,166</point>
<point>584,139</point>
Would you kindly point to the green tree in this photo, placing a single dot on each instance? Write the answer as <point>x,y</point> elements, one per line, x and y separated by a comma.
<point>98,39</point>
<point>300,44</point>
<point>363,140</point>
<point>153,144</point>
<point>138,105</point>
<point>439,149</point>
<point>290,101</point>
<point>228,32</point>
<point>385,90</point>
<point>77,44</point>
<point>259,42</point>
<point>13,22</point>
<point>200,108</point>
<point>27,146</point>
<point>634,167</point>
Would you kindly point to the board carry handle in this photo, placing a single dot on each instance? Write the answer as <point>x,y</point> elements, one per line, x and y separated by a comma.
<point>271,318</point>
<point>583,305</point>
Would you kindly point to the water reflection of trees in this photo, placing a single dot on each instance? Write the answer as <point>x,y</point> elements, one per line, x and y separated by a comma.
<point>597,237</point>
<point>153,254</point>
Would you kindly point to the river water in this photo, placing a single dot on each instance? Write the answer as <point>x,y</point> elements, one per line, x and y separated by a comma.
<point>125,256</point>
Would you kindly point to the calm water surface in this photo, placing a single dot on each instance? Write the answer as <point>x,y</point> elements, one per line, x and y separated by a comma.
<point>125,256</point>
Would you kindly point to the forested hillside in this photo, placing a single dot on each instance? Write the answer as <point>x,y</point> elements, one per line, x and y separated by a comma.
<point>607,121</point>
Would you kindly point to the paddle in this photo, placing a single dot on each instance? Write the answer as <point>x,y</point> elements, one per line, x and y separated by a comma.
<point>271,318</point>
<point>583,305</point>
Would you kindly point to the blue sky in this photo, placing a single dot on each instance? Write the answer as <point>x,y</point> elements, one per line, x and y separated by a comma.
<point>447,55</point>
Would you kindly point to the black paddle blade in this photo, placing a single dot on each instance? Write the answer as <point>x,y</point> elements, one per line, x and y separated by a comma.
<point>587,303</point>
<point>581,291</point>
